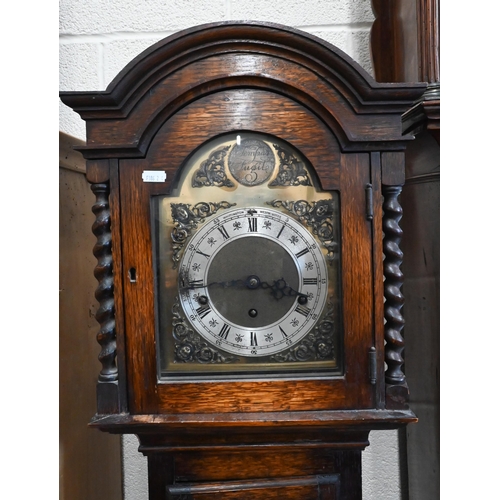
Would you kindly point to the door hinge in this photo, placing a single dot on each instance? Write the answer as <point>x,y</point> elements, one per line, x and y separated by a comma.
<point>372,357</point>
<point>369,201</point>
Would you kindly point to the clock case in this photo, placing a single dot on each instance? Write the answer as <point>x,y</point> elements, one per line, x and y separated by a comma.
<point>263,78</point>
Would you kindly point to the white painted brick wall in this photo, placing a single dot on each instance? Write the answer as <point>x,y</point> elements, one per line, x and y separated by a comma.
<point>99,37</point>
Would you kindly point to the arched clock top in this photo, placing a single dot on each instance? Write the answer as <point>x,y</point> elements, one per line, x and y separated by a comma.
<point>123,119</point>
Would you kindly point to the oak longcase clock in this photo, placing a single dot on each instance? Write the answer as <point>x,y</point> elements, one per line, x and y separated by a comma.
<point>247,179</point>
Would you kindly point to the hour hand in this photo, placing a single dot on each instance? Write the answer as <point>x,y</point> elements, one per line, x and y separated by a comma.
<point>279,289</point>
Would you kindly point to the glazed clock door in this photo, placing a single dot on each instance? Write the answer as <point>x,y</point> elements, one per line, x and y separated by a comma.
<point>247,265</point>
<point>250,291</point>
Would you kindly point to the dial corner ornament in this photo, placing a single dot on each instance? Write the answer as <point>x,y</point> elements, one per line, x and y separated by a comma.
<point>212,171</point>
<point>253,281</point>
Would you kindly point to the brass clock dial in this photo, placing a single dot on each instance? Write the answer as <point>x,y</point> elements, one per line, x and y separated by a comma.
<point>253,281</point>
<point>248,268</point>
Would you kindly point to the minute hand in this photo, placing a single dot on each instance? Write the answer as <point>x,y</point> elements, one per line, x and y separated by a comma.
<point>227,284</point>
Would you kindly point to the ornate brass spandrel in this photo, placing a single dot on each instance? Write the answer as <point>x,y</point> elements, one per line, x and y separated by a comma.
<point>189,346</point>
<point>318,344</point>
<point>318,215</point>
<point>292,171</point>
<point>212,172</point>
<point>187,218</point>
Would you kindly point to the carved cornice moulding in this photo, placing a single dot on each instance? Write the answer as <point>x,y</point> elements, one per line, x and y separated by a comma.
<point>225,56</point>
<point>425,114</point>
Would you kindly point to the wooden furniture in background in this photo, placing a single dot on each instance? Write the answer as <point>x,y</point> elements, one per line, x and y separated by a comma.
<point>295,435</point>
<point>405,48</point>
<point>89,462</point>
<point>405,40</point>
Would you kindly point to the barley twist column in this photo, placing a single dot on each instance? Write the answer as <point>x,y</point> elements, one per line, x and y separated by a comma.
<point>396,388</point>
<point>104,275</point>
